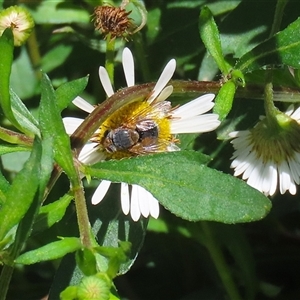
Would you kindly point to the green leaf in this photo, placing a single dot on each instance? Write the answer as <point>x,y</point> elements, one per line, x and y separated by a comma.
<point>52,127</point>
<point>55,57</point>
<point>21,193</point>
<point>4,149</point>
<point>50,251</point>
<point>4,187</point>
<point>188,188</point>
<point>116,257</point>
<point>282,48</point>
<point>14,161</point>
<point>6,59</point>
<point>59,12</point>
<point>51,213</point>
<point>110,226</point>
<point>210,36</point>
<point>47,163</point>
<point>86,261</point>
<point>118,227</point>
<point>68,91</point>
<point>25,225</point>
<point>13,137</point>
<point>70,293</point>
<point>224,100</point>
<point>24,80</point>
<point>23,115</point>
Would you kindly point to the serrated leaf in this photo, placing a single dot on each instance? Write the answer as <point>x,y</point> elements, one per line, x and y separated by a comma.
<point>25,225</point>
<point>22,191</point>
<point>224,99</point>
<point>51,213</point>
<point>282,48</point>
<point>210,36</point>
<point>188,188</point>
<point>50,251</point>
<point>23,115</point>
<point>68,91</point>
<point>52,127</point>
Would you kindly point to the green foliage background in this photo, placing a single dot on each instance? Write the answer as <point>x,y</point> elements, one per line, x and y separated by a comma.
<point>177,259</point>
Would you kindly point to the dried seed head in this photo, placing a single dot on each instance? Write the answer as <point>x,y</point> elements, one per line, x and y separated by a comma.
<point>112,20</point>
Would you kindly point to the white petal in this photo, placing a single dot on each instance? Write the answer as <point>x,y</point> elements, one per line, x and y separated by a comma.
<point>134,204</point>
<point>296,115</point>
<point>128,66</point>
<point>273,180</point>
<point>165,93</point>
<point>82,104</point>
<point>90,154</point>
<point>154,206</point>
<point>125,203</point>
<point>204,123</point>
<point>71,124</point>
<point>255,179</point>
<point>295,170</point>
<point>242,167</point>
<point>195,107</point>
<point>252,163</point>
<point>101,191</point>
<point>143,200</point>
<point>164,78</point>
<point>290,110</point>
<point>105,81</point>
<point>268,184</point>
<point>285,181</point>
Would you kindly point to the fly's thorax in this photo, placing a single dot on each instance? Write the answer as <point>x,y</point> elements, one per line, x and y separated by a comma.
<point>120,139</point>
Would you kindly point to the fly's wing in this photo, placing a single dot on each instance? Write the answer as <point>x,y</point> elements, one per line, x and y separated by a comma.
<point>152,145</point>
<point>153,112</point>
<point>145,122</point>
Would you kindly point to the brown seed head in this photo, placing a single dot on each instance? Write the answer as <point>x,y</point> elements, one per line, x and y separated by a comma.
<point>112,20</point>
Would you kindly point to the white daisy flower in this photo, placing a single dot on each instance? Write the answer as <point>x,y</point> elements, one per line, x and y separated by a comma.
<point>269,154</point>
<point>142,127</point>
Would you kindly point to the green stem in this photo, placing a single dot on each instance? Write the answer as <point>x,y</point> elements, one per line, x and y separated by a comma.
<point>141,55</point>
<point>80,204</point>
<point>81,212</point>
<point>34,54</point>
<point>219,261</point>
<point>5,278</point>
<point>278,16</point>
<point>110,57</point>
<point>270,108</point>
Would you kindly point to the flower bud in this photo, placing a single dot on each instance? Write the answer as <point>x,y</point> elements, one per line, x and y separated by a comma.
<point>19,20</point>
